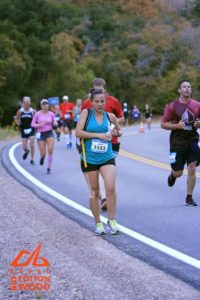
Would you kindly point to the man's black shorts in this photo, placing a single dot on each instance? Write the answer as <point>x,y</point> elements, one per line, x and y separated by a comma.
<point>91,167</point>
<point>188,154</point>
<point>69,123</point>
<point>25,135</point>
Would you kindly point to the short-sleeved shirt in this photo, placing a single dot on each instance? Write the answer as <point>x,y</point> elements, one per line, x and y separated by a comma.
<point>112,105</point>
<point>40,117</point>
<point>67,110</point>
<point>188,112</point>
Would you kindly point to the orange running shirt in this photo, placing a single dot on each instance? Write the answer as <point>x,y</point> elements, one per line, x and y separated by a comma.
<point>66,110</point>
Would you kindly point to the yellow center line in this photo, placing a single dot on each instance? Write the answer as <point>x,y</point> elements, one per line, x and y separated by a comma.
<point>149,161</point>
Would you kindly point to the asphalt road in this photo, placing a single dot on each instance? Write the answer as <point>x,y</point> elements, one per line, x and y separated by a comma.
<point>146,205</point>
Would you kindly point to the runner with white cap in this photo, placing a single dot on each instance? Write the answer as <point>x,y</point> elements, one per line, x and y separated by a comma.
<point>23,119</point>
<point>66,108</point>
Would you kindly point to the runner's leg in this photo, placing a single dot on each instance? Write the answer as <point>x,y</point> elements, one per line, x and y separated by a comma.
<point>42,148</point>
<point>50,147</point>
<point>191,179</point>
<point>32,148</point>
<point>93,178</point>
<point>108,173</point>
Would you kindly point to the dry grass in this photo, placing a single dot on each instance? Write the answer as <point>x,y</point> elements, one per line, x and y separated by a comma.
<point>7,133</point>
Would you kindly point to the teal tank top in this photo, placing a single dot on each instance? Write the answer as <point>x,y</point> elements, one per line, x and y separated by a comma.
<point>97,151</point>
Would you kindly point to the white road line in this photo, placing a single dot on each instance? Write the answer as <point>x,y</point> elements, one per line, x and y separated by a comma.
<point>156,245</point>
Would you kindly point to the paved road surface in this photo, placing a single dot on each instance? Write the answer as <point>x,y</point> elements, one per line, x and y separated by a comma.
<point>146,205</point>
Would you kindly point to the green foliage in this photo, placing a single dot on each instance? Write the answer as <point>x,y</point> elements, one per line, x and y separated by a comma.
<point>141,48</point>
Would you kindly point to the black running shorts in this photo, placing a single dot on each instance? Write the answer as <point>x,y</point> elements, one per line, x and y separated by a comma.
<point>91,167</point>
<point>188,154</point>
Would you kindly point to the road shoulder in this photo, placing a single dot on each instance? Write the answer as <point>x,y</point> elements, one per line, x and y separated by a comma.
<point>83,266</point>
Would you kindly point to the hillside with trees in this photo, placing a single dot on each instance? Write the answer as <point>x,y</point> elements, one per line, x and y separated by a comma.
<point>142,48</point>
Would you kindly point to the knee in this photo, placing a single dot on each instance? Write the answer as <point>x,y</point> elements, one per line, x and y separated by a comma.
<point>110,190</point>
<point>94,194</point>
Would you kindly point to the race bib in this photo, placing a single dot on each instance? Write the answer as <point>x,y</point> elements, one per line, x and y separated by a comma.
<point>99,146</point>
<point>38,135</point>
<point>28,130</point>
<point>67,116</point>
<point>172,157</point>
<point>57,118</point>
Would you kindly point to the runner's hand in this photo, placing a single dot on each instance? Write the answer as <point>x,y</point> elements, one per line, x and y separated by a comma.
<point>114,132</point>
<point>180,125</point>
<point>104,136</point>
<point>197,123</point>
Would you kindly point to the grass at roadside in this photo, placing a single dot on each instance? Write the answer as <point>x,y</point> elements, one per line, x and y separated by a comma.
<point>7,133</point>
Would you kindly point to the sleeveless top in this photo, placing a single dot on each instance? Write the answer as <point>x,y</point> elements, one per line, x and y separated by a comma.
<point>26,118</point>
<point>97,151</point>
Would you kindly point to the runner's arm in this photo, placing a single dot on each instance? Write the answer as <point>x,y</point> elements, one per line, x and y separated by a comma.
<point>119,112</point>
<point>117,131</point>
<point>167,120</point>
<point>171,126</point>
<point>35,123</point>
<point>17,118</point>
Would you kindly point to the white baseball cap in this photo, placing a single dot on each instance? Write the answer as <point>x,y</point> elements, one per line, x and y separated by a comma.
<point>44,101</point>
<point>65,98</point>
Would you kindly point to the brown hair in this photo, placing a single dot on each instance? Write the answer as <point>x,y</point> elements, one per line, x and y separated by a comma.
<point>99,82</point>
<point>96,92</point>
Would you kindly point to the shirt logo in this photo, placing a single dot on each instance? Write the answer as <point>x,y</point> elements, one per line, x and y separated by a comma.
<point>188,117</point>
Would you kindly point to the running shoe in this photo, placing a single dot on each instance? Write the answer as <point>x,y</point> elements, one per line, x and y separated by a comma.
<point>48,170</point>
<point>41,161</point>
<point>68,146</point>
<point>58,138</point>
<point>99,229</point>
<point>171,180</point>
<point>112,226</point>
<point>103,204</point>
<point>190,202</point>
<point>32,162</point>
<point>25,154</point>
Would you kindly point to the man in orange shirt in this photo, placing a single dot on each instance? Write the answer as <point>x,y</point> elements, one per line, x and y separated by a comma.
<point>66,109</point>
<point>113,106</point>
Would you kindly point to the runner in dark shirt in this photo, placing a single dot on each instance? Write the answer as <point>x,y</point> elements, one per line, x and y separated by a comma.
<point>23,119</point>
<point>147,115</point>
<point>182,118</point>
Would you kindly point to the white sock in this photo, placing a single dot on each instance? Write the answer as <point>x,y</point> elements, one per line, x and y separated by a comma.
<point>67,138</point>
